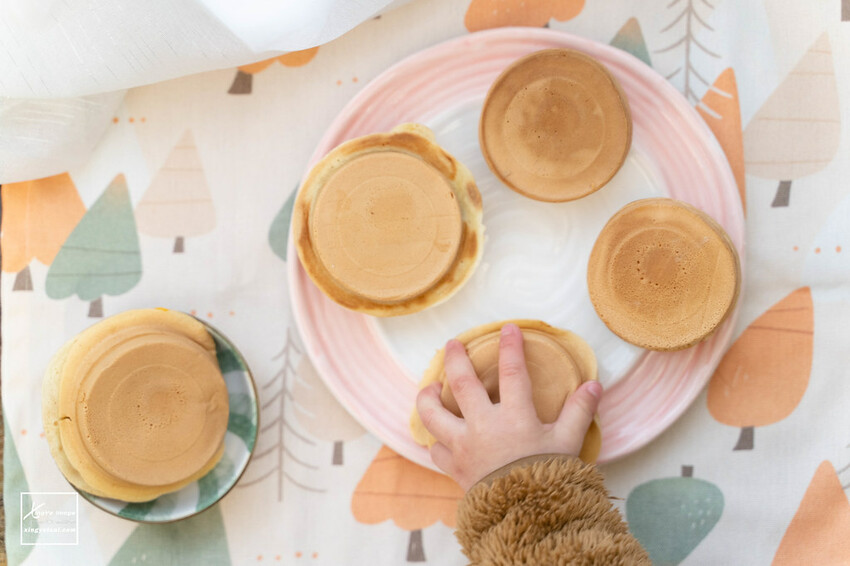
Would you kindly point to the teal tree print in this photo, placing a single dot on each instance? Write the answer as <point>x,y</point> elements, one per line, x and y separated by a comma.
<point>15,483</point>
<point>198,540</point>
<point>279,231</point>
<point>670,516</point>
<point>101,256</point>
<point>630,39</point>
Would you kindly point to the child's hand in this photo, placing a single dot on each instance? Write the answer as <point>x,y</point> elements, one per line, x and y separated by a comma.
<point>491,436</point>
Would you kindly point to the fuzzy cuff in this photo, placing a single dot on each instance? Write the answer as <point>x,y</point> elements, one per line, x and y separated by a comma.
<point>552,511</point>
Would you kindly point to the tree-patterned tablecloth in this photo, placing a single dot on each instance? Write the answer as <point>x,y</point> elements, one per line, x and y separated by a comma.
<point>185,204</point>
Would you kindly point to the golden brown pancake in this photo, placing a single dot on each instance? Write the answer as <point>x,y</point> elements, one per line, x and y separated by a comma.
<point>555,125</point>
<point>389,224</point>
<point>663,275</point>
<point>558,362</point>
<point>136,406</point>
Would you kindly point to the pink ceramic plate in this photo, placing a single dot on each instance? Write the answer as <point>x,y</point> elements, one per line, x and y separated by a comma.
<point>647,392</point>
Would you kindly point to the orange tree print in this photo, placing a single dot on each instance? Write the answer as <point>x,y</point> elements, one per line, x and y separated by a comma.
<point>243,82</point>
<point>818,532</point>
<point>720,108</point>
<point>39,216</point>
<point>797,130</point>
<point>763,377</point>
<point>412,496</point>
<point>487,14</point>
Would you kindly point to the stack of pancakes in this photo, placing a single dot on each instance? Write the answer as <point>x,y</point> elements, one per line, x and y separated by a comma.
<point>136,406</point>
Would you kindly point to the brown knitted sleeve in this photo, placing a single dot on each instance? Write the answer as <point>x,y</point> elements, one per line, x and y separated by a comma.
<point>551,510</point>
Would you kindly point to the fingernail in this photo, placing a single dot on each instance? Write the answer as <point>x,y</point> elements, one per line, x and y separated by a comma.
<point>453,344</point>
<point>509,329</point>
<point>595,389</point>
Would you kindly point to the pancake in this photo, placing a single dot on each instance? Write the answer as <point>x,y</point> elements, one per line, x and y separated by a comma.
<point>558,362</point>
<point>389,224</point>
<point>555,125</point>
<point>663,275</point>
<point>136,406</point>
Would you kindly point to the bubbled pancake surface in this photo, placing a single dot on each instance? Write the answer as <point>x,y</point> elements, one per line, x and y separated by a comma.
<point>555,125</point>
<point>662,274</point>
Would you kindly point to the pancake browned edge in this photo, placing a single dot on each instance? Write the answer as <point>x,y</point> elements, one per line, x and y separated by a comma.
<point>415,140</point>
<point>581,352</point>
<point>651,339</point>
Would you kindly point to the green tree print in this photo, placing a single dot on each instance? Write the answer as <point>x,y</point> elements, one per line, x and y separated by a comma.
<point>670,516</point>
<point>630,40</point>
<point>15,483</point>
<point>198,540</point>
<point>101,256</point>
<point>279,231</point>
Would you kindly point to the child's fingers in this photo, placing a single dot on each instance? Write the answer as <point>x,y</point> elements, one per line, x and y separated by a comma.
<point>514,383</point>
<point>436,418</point>
<point>442,458</point>
<point>577,414</point>
<point>467,389</point>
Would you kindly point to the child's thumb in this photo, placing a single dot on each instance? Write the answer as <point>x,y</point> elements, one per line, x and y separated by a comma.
<point>578,412</point>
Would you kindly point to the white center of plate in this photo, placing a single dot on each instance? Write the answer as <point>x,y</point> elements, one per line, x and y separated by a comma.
<point>534,263</point>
